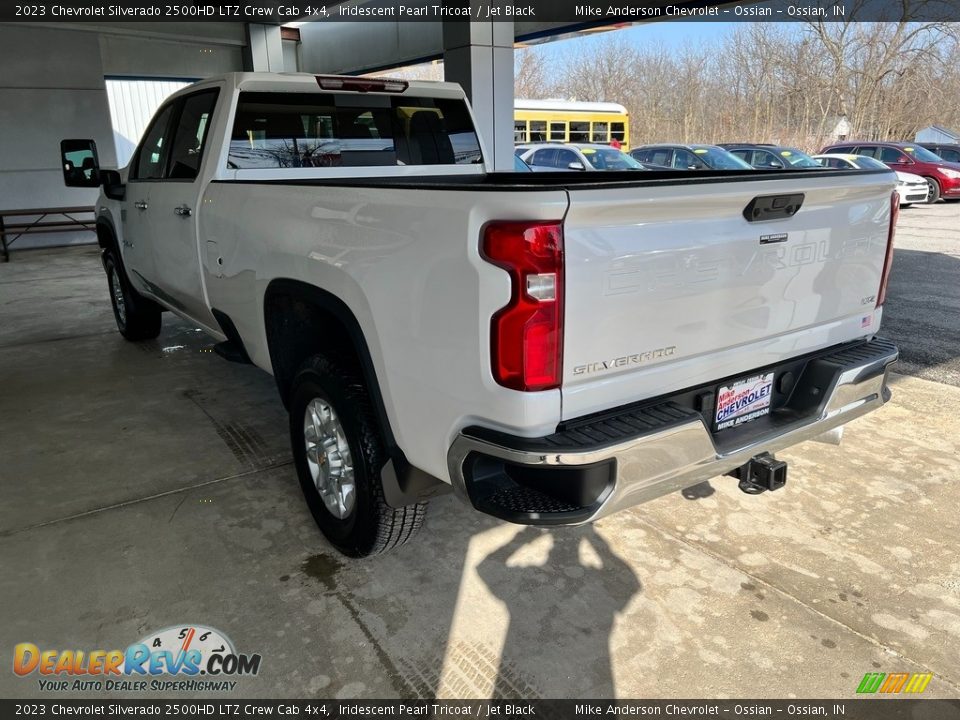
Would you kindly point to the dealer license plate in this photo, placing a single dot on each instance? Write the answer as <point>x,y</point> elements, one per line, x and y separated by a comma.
<point>744,400</point>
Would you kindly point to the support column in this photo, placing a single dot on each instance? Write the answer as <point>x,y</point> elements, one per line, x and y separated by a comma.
<point>479,56</point>
<point>264,48</point>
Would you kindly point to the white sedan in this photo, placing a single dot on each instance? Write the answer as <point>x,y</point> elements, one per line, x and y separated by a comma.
<point>575,156</point>
<point>912,188</point>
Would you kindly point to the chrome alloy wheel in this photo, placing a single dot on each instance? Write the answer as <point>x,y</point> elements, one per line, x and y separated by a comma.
<point>117,289</point>
<point>328,457</point>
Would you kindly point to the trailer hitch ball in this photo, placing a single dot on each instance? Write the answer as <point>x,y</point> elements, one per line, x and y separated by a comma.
<point>761,473</point>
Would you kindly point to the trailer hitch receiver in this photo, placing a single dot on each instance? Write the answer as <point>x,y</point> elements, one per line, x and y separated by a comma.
<point>760,473</point>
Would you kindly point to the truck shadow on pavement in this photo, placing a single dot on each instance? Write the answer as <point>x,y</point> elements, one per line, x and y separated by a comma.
<point>532,618</point>
<point>572,604</point>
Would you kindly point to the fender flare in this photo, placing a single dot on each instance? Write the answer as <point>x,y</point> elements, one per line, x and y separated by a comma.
<point>403,484</point>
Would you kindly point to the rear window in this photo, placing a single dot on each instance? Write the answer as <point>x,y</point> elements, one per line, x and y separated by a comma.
<point>299,130</point>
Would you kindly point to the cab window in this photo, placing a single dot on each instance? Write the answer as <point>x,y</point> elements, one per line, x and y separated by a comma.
<point>152,154</point>
<point>306,130</point>
<point>186,150</point>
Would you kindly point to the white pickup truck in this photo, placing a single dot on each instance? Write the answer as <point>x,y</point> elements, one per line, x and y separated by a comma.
<point>554,347</point>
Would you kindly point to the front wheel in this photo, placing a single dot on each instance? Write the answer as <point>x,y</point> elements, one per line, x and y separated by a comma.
<point>338,453</point>
<point>137,317</point>
<point>933,190</point>
<point>905,205</point>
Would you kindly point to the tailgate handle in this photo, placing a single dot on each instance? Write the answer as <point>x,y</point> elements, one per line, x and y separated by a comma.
<point>773,207</point>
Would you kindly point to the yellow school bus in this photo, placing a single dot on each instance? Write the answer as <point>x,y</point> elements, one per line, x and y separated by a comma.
<point>570,121</point>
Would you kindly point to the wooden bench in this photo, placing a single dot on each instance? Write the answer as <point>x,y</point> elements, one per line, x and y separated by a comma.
<point>61,219</point>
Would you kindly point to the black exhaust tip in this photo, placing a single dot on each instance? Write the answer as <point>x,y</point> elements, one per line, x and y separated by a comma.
<point>761,473</point>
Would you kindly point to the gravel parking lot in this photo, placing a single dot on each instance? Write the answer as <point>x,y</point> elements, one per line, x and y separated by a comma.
<point>150,485</point>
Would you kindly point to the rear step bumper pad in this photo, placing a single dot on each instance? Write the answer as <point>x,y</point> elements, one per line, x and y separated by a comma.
<point>599,467</point>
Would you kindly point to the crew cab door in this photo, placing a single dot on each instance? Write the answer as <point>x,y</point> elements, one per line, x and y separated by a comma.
<point>146,169</point>
<point>174,202</point>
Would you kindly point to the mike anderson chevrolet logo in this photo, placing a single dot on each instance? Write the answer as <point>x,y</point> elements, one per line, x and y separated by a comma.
<point>894,682</point>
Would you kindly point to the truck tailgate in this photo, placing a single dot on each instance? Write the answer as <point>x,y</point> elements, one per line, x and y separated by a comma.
<point>668,285</point>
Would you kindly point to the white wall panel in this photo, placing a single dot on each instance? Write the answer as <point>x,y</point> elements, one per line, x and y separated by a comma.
<point>132,105</point>
<point>52,87</point>
<point>150,57</point>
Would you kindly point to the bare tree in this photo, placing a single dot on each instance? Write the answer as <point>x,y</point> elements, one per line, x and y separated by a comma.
<point>777,82</point>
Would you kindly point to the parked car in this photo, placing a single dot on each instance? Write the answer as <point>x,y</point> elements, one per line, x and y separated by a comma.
<point>912,188</point>
<point>943,178</point>
<point>552,351</point>
<point>576,156</point>
<point>770,157</point>
<point>689,157</point>
<point>948,151</point>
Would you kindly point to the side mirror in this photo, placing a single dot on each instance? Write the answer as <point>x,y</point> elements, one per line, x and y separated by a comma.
<point>576,165</point>
<point>81,167</point>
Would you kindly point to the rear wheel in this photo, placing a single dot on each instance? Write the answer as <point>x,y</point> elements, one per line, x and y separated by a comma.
<point>338,453</point>
<point>933,190</point>
<point>137,317</point>
<point>905,205</point>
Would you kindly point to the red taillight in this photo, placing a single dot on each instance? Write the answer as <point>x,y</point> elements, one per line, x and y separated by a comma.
<point>526,336</point>
<point>357,84</point>
<point>888,261</point>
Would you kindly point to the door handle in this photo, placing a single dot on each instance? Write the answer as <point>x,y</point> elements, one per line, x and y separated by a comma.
<point>183,211</point>
<point>141,205</point>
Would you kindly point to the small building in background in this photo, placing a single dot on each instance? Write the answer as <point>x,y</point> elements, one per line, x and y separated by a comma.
<point>841,129</point>
<point>937,134</point>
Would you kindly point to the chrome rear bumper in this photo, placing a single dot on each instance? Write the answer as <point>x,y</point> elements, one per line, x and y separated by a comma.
<point>670,448</point>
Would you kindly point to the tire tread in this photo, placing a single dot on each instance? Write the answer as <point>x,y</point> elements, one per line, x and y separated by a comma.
<point>394,526</point>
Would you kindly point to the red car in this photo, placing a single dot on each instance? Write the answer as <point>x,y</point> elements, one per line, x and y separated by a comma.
<point>943,177</point>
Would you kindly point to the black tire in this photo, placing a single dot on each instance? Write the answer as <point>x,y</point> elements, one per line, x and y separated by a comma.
<point>905,205</point>
<point>371,527</point>
<point>137,317</point>
<point>934,193</point>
